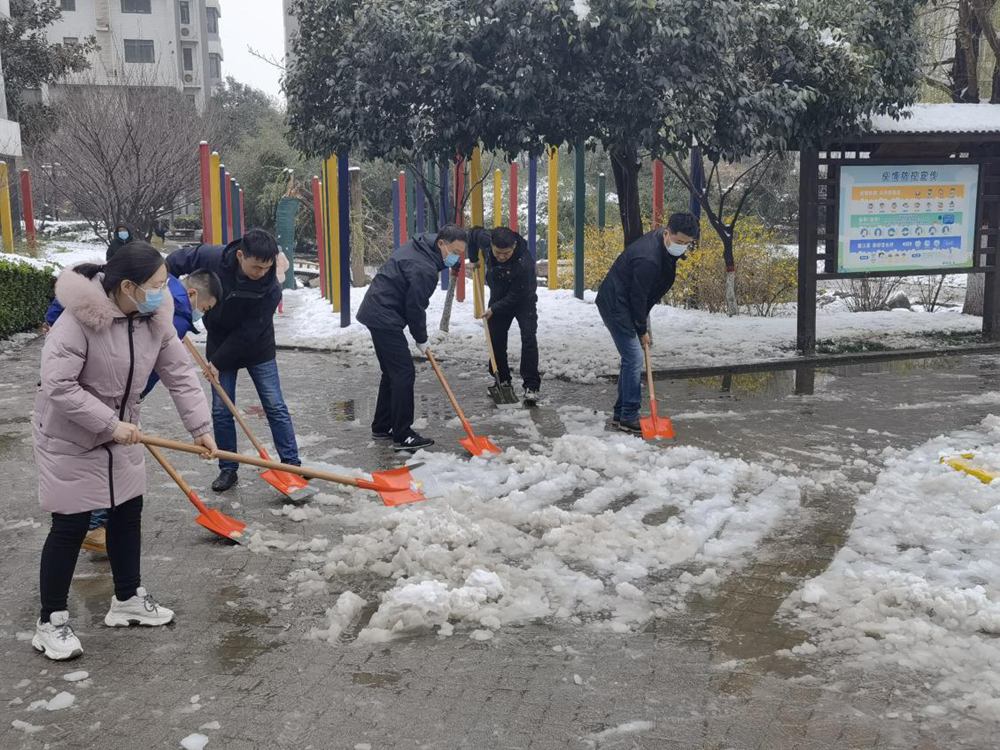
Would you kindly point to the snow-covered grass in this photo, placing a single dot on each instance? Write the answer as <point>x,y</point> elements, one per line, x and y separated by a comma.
<point>917,585</point>
<point>574,343</point>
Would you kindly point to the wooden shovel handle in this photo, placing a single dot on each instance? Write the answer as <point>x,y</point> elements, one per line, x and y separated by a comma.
<point>263,463</point>
<point>447,388</point>
<point>649,375</point>
<point>223,395</point>
<point>175,475</point>
<point>481,286</point>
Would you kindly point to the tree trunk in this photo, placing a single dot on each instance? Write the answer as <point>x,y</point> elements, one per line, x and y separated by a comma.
<point>625,165</point>
<point>964,78</point>
<point>974,295</point>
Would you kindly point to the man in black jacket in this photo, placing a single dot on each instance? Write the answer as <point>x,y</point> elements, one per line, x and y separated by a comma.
<point>241,336</point>
<point>637,280</point>
<point>510,273</point>
<point>398,298</point>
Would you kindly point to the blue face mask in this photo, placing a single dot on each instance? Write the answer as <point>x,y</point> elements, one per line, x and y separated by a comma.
<point>452,260</point>
<point>123,236</point>
<point>196,315</point>
<point>154,298</point>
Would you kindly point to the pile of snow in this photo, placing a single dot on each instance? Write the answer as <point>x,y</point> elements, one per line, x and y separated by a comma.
<point>56,703</point>
<point>568,531</point>
<point>194,741</point>
<point>33,262</point>
<point>70,252</point>
<point>917,585</point>
<point>574,344</point>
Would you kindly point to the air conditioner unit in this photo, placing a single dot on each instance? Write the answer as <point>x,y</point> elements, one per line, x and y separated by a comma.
<point>188,78</point>
<point>185,31</point>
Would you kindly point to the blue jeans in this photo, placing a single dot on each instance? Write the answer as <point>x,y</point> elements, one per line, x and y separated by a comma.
<point>98,518</point>
<point>265,380</point>
<point>630,375</point>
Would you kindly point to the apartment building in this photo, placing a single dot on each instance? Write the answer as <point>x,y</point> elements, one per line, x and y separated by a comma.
<point>10,132</point>
<point>173,43</point>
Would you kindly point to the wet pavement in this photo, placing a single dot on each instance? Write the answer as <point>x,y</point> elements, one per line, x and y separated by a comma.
<point>708,677</point>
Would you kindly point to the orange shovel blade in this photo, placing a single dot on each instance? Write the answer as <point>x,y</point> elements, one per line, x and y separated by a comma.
<point>478,445</point>
<point>291,485</point>
<point>657,428</point>
<point>395,486</point>
<point>223,525</point>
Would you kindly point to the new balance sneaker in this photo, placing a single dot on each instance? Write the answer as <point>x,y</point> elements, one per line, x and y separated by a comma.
<point>96,541</point>
<point>632,428</point>
<point>56,638</point>
<point>531,397</point>
<point>377,435</point>
<point>413,442</point>
<point>141,609</point>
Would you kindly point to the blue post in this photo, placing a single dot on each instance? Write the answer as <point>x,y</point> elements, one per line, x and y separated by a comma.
<point>224,203</point>
<point>344,208</point>
<point>443,212</point>
<point>395,214</point>
<point>697,178</point>
<point>532,188</point>
<point>237,215</point>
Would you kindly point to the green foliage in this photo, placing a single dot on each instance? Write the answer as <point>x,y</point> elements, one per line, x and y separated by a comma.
<point>25,294</point>
<point>187,222</point>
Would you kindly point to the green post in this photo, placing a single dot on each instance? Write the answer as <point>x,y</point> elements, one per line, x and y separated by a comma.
<point>580,201</point>
<point>285,221</point>
<point>602,187</point>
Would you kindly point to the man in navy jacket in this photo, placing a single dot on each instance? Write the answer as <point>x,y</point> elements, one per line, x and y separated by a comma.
<point>241,337</point>
<point>397,299</point>
<point>638,279</point>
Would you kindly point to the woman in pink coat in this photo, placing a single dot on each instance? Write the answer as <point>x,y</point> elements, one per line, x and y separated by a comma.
<point>117,328</point>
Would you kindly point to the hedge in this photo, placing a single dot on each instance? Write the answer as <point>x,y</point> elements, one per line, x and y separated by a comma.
<point>25,294</point>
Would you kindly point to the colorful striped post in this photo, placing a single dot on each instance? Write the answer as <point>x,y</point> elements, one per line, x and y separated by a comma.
<point>327,271</point>
<point>411,203</point>
<point>216,198</point>
<point>443,213</point>
<point>320,241</point>
<point>476,194</point>
<point>580,204</point>
<point>497,198</point>
<point>234,191</point>
<point>460,221</point>
<point>403,234</point>
<point>243,216</point>
<point>657,193</point>
<point>28,208</point>
<point>602,198</point>
<point>6,222</point>
<point>333,230</point>
<point>205,161</point>
<point>223,205</point>
<point>532,207</point>
<point>553,243</point>
<point>512,189</point>
<point>395,214</point>
<point>344,212</point>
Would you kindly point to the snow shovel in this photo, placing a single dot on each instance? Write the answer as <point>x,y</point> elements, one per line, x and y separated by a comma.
<point>654,427</point>
<point>502,393</point>
<point>395,487</point>
<point>474,444</point>
<point>211,519</point>
<point>293,487</point>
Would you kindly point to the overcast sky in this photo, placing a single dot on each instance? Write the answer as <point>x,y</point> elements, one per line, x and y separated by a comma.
<point>257,24</point>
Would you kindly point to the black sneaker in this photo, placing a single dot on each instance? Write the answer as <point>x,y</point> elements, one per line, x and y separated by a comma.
<point>226,479</point>
<point>531,397</point>
<point>632,428</point>
<point>387,435</point>
<point>413,442</point>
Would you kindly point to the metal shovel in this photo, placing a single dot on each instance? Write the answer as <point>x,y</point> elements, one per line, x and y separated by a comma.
<point>654,427</point>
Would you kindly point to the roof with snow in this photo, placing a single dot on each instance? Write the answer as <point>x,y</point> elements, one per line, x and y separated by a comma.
<point>941,119</point>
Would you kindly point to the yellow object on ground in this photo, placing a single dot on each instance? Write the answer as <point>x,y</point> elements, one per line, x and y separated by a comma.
<point>963,463</point>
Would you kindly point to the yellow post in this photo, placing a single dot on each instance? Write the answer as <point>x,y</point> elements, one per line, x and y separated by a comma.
<point>6,223</point>
<point>478,220</point>
<point>497,198</point>
<point>333,229</point>
<point>553,243</point>
<point>216,198</point>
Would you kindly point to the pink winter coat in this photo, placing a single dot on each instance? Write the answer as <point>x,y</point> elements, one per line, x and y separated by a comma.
<point>95,363</point>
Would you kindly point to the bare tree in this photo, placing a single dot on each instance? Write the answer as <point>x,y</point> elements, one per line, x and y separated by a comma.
<point>871,294</point>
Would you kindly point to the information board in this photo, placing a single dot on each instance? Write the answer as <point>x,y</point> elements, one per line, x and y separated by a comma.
<point>907,218</point>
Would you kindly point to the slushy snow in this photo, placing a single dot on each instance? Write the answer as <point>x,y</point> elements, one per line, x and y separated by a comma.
<point>194,741</point>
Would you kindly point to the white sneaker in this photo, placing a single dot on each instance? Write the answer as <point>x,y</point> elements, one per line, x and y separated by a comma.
<point>141,609</point>
<point>56,638</point>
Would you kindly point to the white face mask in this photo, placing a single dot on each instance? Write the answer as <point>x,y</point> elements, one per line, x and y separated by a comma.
<point>676,250</point>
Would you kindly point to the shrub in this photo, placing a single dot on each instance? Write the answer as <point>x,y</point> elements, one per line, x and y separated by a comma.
<point>25,294</point>
<point>187,222</point>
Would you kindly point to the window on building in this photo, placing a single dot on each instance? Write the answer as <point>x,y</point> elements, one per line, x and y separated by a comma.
<point>213,20</point>
<point>215,65</point>
<point>139,51</point>
<point>70,40</point>
<point>67,4</point>
<point>136,6</point>
<point>191,100</point>
<point>185,12</point>
<point>188,58</point>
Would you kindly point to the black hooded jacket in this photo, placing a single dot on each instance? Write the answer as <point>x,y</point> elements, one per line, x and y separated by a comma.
<point>402,288</point>
<point>513,283</point>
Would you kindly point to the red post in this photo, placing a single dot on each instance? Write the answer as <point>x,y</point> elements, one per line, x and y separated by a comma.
<point>513,195</point>
<point>206,194</point>
<point>28,207</point>
<point>460,221</point>
<point>227,196</point>
<point>243,216</point>
<point>402,208</point>
<point>320,237</point>
<point>657,193</point>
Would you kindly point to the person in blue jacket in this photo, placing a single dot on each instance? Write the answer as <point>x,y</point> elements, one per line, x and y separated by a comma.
<point>193,297</point>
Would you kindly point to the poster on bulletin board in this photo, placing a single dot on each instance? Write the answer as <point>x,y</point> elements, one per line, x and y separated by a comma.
<point>907,218</point>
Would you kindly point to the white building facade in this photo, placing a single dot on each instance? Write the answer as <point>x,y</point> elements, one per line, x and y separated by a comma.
<point>10,132</point>
<point>170,43</point>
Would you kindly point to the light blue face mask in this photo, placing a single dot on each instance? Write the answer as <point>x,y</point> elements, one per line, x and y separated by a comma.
<point>154,298</point>
<point>677,250</point>
<point>452,260</point>
<point>196,315</point>
<point>123,236</point>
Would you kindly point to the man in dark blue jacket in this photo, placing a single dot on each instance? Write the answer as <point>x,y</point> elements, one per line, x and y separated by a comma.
<point>511,276</point>
<point>241,336</point>
<point>398,298</point>
<point>638,279</point>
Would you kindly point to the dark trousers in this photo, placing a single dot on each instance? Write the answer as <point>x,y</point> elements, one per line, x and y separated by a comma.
<point>394,409</point>
<point>527,321</point>
<point>62,548</point>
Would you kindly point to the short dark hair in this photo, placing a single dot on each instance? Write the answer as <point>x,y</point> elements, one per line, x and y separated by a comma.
<point>451,233</point>
<point>260,244</point>
<point>115,244</point>
<point>136,262</point>
<point>685,223</point>
<point>503,237</point>
<point>206,282</point>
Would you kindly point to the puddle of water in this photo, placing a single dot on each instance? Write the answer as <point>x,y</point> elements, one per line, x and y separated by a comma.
<point>343,411</point>
<point>374,680</point>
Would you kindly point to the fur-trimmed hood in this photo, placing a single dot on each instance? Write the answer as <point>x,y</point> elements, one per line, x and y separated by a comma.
<point>90,305</point>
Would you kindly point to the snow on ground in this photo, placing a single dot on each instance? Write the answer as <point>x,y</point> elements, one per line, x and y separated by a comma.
<point>917,585</point>
<point>574,344</point>
<point>568,531</point>
<point>70,252</point>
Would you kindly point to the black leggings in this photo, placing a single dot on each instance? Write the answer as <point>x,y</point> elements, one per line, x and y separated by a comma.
<point>62,548</point>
